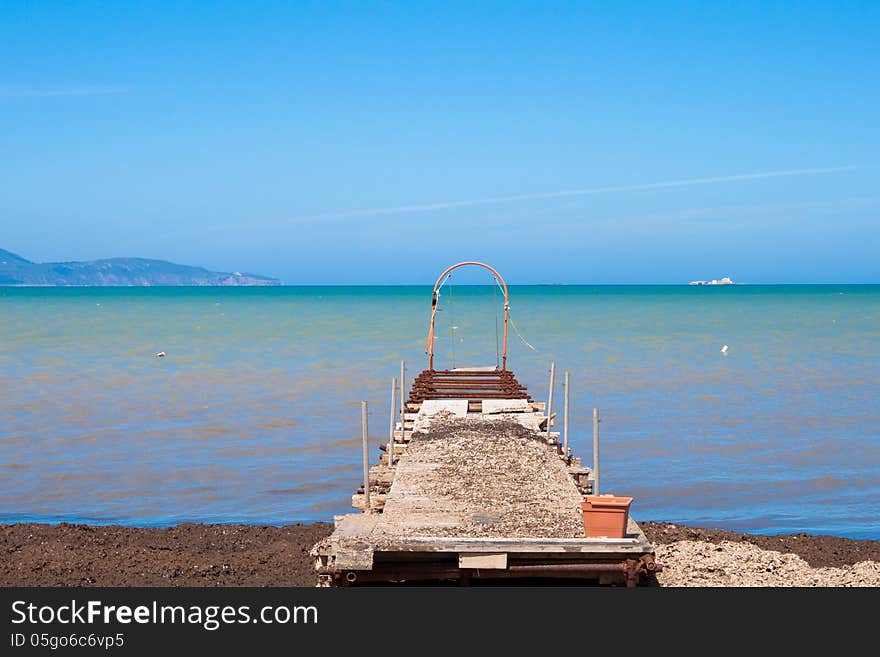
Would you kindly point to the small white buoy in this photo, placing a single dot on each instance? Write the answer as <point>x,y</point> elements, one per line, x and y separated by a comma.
<point>724,349</point>
<point>161,354</point>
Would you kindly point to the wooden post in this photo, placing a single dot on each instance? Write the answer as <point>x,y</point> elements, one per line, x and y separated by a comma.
<point>550,397</point>
<point>367,507</point>
<point>565,420</point>
<point>391,423</point>
<point>595,451</point>
<point>402,401</point>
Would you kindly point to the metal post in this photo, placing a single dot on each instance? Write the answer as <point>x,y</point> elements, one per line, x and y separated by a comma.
<point>565,420</point>
<point>550,397</point>
<point>367,507</point>
<point>391,423</point>
<point>595,451</point>
<point>402,401</point>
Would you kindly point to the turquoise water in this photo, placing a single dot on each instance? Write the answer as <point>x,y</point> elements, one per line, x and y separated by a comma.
<point>253,415</point>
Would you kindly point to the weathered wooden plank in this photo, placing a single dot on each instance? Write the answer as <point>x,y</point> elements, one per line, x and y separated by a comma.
<point>457,407</point>
<point>594,546</point>
<point>352,525</point>
<point>377,501</point>
<point>483,560</point>
<point>528,420</point>
<point>493,406</point>
<point>432,407</point>
<point>354,557</point>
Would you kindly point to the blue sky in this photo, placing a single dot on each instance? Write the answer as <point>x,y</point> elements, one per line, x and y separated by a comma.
<point>335,142</point>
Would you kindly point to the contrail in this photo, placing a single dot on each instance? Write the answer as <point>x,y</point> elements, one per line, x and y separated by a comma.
<point>579,192</point>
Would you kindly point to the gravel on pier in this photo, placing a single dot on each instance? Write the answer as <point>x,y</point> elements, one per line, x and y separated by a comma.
<point>497,477</point>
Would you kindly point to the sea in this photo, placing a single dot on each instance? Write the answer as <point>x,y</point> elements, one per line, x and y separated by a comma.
<point>253,415</point>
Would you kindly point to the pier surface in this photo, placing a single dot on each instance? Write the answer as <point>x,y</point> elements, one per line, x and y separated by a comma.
<point>480,489</point>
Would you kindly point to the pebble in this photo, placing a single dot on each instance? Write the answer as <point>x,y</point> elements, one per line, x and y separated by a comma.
<point>699,563</point>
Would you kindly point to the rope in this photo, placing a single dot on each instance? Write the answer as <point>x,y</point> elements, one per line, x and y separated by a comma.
<point>519,335</point>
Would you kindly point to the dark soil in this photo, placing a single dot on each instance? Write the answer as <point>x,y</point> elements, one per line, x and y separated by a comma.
<point>185,555</point>
<point>818,551</point>
<point>246,555</point>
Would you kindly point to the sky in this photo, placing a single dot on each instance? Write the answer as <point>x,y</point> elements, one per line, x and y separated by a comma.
<point>378,142</point>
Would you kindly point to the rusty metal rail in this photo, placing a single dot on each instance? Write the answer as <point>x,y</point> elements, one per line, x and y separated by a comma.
<point>467,384</point>
<point>627,571</point>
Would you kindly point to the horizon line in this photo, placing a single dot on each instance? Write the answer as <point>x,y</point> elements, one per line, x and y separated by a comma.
<point>429,285</point>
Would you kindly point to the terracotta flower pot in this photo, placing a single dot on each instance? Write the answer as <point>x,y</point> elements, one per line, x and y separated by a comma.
<point>606,516</point>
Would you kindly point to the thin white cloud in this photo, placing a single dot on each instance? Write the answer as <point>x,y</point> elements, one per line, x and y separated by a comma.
<point>577,192</point>
<point>51,92</point>
<point>744,214</point>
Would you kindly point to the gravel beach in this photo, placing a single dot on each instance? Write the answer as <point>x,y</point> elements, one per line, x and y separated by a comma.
<point>704,557</point>
<point>247,555</point>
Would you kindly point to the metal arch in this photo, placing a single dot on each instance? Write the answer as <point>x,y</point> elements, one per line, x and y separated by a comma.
<point>429,344</point>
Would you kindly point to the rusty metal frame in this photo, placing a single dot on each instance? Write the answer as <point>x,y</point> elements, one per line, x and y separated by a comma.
<point>429,343</point>
<point>630,572</point>
<point>474,386</point>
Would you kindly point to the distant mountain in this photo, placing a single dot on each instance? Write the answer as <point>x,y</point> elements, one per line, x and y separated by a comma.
<point>15,270</point>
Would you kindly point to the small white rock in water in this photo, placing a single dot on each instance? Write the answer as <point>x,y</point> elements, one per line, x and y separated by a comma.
<point>161,354</point>
<point>724,349</point>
